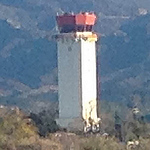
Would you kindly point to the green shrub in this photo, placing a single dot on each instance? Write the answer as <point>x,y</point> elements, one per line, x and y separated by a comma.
<point>101,143</point>
<point>45,121</point>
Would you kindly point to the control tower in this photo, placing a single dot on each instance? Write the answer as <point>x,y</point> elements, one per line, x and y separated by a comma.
<point>77,74</point>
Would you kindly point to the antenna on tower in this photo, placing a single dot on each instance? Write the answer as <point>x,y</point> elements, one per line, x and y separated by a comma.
<point>60,11</point>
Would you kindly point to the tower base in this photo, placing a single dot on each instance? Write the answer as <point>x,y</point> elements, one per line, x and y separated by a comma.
<point>71,124</point>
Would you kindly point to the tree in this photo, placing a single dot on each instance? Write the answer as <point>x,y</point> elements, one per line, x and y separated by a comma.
<point>45,121</point>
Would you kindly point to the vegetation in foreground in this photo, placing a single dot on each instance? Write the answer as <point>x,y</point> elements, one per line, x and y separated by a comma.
<point>40,132</point>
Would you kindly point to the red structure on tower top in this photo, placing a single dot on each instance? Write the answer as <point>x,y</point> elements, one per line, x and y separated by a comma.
<point>76,22</point>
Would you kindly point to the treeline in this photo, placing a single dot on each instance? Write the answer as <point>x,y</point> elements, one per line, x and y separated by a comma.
<point>120,124</point>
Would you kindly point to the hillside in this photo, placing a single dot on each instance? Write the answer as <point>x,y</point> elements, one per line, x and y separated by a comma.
<point>28,64</point>
<point>125,61</point>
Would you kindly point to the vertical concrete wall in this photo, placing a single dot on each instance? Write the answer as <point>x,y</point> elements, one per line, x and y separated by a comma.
<point>89,79</point>
<point>76,80</point>
<point>69,78</point>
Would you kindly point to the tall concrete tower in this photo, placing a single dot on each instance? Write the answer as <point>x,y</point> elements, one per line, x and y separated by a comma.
<point>77,75</point>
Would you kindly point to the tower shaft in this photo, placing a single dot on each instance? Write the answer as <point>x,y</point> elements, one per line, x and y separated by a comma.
<point>77,78</point>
